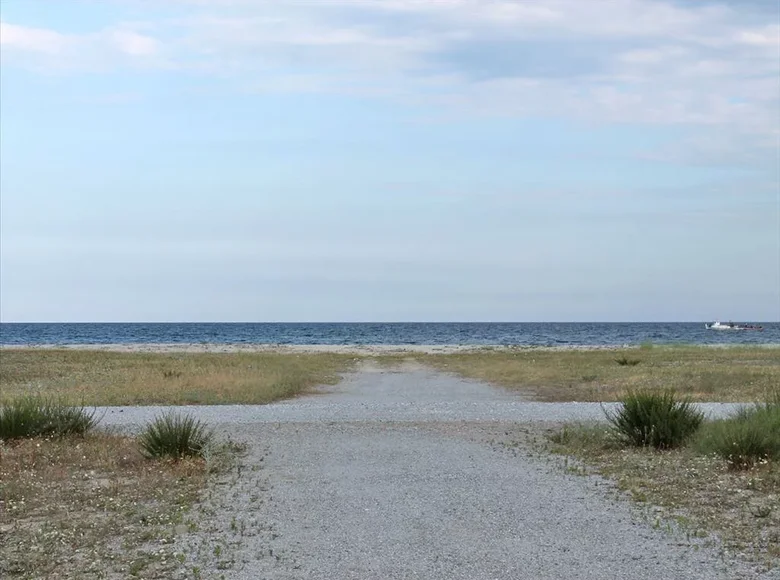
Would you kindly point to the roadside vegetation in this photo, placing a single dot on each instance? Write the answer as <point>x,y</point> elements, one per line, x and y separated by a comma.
<point>174,435</point>
<point>115,378</point>
<point>80,502</point>
<point>734,374</point>
<point>31,416</point>
<point>708,476</point>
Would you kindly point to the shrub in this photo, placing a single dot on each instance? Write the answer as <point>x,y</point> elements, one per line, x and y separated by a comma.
<point>750,436</point>
<point>625,361</point>
<point>35,416</point>
<point>655,419</point>
<point>174,435</point>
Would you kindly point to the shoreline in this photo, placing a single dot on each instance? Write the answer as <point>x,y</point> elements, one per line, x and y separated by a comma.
<point>357,349</point>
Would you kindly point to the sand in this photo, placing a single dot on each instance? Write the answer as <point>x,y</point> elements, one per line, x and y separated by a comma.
<point>357,349</point>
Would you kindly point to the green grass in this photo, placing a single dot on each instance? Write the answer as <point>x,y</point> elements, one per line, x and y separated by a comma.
<point>174,435</point>
<point>749,437</point>
<point>655,419</point>
<point>36,416</point>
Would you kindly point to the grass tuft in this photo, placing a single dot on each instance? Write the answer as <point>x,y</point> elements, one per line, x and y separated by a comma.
<point>655,419</point>
<point>751,436</point>
<point>584,437</point>
<point>176,436</point>
<point>624,361</point>
<point>35,416</point>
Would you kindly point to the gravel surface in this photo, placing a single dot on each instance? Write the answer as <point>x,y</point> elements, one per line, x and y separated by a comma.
<point>390,475</point>
<point>411,394</point>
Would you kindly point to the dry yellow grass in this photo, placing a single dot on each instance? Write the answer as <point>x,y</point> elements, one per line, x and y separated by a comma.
<point>92,507</point>
<point>113,378</point>
<point>705,374</point>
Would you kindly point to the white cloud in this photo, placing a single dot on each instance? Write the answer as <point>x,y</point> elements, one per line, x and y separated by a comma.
<point>133,44</point>
<point>624,61</point>
<point>44,49</point>
<point>768,36</point>
<point>38,40</point>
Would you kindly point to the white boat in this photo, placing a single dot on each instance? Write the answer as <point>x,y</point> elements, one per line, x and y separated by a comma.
<point>731,326</point>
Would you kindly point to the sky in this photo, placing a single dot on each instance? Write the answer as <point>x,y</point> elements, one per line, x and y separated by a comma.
<point>389,160</point>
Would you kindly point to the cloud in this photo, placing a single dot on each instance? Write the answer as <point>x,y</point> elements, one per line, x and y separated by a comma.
<point>602,61</point>
<point>134,44</point>
<point>768,36</point>
<point>38,40</point>
<point>44,49</point>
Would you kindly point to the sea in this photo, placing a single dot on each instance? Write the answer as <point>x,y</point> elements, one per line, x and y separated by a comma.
<point>546,334</point>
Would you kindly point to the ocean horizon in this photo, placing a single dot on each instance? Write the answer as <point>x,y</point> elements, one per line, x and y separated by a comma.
<point>383,333</point>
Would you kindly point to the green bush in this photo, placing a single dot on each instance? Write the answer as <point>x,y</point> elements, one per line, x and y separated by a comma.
<point>624,361</point>
<point>35,416</point>
<point>654,419</point>
<point>174,435</point>
<point>750,436</point>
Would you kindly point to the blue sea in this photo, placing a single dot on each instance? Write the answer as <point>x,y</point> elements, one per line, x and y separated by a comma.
<point>402,333</point>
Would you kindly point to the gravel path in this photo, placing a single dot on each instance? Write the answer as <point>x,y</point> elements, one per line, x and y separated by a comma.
<point>390,476</point>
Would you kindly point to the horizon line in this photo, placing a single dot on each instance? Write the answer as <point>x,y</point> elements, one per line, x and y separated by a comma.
<point>386,322</point>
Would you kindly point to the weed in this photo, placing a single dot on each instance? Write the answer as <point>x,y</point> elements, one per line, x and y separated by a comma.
<point>749,437</point>
<point>35,416</point>
<point>699,491</point>
<point>583,436</point>
<point>653,419</point>
<point>174,435</point>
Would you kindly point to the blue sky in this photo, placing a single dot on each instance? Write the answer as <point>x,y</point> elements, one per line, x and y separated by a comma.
<point>389,160</point>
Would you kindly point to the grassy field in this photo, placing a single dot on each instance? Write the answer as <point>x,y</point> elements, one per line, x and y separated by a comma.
<point>111,378</point>
<point>92,507</point>
<point>695,492</point>
<point>704,374</point>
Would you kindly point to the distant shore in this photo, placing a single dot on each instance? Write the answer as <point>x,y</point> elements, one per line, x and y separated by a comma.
<point>357,349</point>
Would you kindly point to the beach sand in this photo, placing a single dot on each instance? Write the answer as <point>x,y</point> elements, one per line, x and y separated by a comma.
<point>357,349</point>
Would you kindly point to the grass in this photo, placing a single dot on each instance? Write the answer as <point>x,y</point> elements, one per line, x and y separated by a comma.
<point>751,437</point>
<point>115,378</point>
<point>735,374</point>
<point>727,480</point>
<point>175,435</point>
<point>655,419</point>
<point>699,493</point>
<point>35,416</point>
<point>77,503</point>
<point>92,507</point>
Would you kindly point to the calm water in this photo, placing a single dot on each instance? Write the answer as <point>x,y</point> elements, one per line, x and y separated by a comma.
<point>523,333</point>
